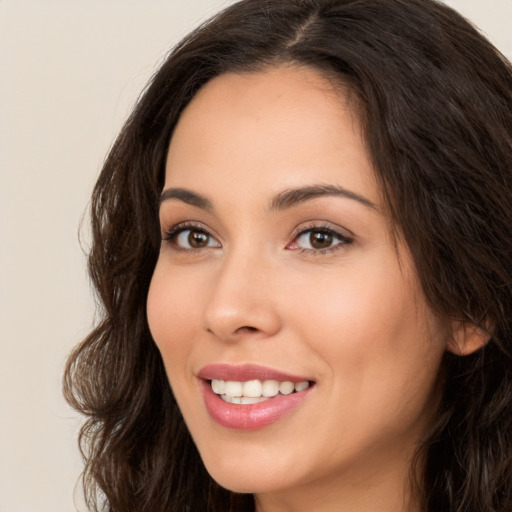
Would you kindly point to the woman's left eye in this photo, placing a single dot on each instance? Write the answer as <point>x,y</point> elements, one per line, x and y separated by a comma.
<point>319,240</point>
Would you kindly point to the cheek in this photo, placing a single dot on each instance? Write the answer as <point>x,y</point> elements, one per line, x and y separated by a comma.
<point>172,312</point>
<point>373,329</point>
<point>358,309</point>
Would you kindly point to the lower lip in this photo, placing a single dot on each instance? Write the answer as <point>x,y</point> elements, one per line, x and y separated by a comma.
<point>251,416</point>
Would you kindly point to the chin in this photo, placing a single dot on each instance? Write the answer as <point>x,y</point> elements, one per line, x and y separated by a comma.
<point>243,484</point>
<point>245,479</point>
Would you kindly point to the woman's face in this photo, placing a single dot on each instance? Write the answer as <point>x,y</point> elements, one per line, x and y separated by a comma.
<point>277,268</point>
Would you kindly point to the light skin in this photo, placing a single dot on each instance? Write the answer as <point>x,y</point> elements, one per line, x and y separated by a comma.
<point>281,255</point>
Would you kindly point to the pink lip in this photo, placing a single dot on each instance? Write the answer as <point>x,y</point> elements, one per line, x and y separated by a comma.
<point>254,416</point>
<point>246,372</point>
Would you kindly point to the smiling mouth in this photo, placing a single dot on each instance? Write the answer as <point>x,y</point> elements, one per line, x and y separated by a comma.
<point>249,396</point>
<point>255,391</point>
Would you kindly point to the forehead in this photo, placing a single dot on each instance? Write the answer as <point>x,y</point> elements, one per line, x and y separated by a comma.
<point>283,127</point>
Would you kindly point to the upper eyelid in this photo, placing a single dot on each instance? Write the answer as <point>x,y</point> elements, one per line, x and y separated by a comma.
<point>322,225</point>
<point>303,228</point>
<point>171,235</point>
<point>174,230</point>
<point>344,235</point>
<point>183,226</point>
<point>343,238</point>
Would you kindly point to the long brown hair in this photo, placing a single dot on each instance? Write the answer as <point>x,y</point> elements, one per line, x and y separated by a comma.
<point>436,106</point>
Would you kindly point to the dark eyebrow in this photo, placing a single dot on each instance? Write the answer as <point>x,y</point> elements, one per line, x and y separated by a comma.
<point>294,196</point>
<point>281,201</point>
<point>187,196</point>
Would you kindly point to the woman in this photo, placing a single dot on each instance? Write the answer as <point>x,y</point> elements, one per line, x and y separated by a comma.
<point>305,229</point>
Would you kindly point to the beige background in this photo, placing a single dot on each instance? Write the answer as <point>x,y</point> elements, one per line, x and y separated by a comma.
<point>69,73</point>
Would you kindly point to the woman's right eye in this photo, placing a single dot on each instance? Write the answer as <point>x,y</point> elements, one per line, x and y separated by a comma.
<point>190,238</point>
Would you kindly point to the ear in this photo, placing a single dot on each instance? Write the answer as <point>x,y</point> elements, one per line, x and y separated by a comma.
<point>466,338</point>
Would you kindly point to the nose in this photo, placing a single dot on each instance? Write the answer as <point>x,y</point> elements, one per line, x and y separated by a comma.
<point>241,303</point>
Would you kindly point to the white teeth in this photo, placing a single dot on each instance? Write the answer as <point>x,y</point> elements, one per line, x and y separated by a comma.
<point>252,388</point>
<point>218,386</point>
<point>285,388</point>
<point>301,386</point>
<point>233,388</point>
<point>251,400</point>
<point>254,391</point>
<point>270,388</point>
<point>242,400</point>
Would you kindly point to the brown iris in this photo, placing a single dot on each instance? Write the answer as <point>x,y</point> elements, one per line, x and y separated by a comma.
<point>320,239</point>
<point>198,239</point>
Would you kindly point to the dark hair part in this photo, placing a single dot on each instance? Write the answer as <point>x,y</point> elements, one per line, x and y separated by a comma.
<point>436,107</point>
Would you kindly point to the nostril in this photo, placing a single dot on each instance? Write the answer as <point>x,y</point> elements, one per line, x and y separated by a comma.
<point>247,328</point>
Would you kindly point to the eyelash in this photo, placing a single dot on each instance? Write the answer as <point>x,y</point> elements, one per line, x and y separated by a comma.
<point>171,236</point>
<point>343,240</point>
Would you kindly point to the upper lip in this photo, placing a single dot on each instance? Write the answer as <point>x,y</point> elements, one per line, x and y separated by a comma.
<point>245,372</point>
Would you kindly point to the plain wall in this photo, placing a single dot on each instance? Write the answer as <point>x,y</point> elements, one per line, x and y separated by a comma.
<point>70,72</point>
